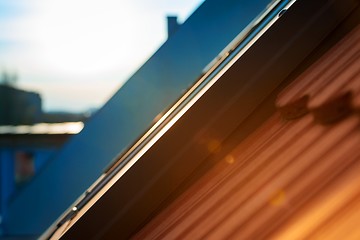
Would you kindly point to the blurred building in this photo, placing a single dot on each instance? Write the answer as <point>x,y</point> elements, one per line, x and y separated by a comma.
<point>19,107</point>
<point>24,151</point>
<point>29,138</point>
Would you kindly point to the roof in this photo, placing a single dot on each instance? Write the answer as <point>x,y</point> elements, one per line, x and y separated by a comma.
<point>282,182</point>
<point>38,135</point>
<point>219,147</point>
<point>295,177</point>
<point>44,128</point>
<point>110,132</point>
<point>330,88</point>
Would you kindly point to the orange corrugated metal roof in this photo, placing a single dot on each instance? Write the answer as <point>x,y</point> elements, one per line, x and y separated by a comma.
<point>334,79</point>
<point>295,177</point>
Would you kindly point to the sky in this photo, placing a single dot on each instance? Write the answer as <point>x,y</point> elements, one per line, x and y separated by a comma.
<point>77,53</point>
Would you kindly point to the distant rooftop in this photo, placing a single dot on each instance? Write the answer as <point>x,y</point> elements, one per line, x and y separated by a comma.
<point>44,128</point>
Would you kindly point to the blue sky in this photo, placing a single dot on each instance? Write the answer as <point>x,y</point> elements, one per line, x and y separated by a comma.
<point>77,53</point>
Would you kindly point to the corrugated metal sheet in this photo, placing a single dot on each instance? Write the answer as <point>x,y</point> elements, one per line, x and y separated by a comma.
<point>296,177</point>
<point>333,80</point>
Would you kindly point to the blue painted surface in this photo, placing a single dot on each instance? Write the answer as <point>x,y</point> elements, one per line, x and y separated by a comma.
<point>7,183</point>
<point>8,187</point>
<point>154,87</point>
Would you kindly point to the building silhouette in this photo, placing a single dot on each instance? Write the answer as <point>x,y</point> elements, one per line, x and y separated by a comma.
<point>19,107</point>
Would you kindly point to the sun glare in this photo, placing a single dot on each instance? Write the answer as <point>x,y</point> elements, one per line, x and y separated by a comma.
<point>92,45</point>
<point>86,37</point>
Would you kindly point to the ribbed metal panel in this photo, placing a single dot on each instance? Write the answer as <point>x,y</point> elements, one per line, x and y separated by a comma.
<point>330,88</point>
<point>295,177</point>
<point>270,182</point>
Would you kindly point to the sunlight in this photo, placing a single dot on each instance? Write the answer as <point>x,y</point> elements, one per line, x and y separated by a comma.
<point>87,37</point>
<point>85,48</point>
